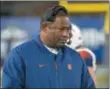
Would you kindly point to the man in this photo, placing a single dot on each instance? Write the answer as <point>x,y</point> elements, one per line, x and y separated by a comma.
<point>86,54</point>
<point>46,62</point>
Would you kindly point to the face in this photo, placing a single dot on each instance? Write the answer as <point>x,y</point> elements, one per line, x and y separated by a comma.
<point>58,32</point>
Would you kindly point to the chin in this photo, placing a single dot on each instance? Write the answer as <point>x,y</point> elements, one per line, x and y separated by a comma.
<point>60,45</point>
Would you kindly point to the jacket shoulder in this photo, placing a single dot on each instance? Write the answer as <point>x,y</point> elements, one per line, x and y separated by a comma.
<point>73,54</point>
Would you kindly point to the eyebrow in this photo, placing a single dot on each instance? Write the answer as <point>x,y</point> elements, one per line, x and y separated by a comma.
<point>46,22</point>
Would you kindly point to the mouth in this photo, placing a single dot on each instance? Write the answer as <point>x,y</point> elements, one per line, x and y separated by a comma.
<point>63,41</point>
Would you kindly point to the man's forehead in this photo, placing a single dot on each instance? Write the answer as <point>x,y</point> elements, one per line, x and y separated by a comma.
<point>62,21</point>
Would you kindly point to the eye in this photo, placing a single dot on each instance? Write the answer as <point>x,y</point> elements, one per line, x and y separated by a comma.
<point>60,29</point>
<point>64,29</point>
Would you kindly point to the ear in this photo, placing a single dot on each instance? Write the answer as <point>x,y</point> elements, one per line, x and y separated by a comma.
<point>44,25</point>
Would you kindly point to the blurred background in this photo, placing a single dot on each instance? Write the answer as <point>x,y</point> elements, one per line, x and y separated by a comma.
<point>20,21</point>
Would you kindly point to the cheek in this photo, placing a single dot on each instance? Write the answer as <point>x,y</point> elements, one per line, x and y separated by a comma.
<point>54,37</point>
<point>51,36</point>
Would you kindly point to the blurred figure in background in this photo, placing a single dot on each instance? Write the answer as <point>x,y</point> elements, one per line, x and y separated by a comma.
<point>11,36</point>
<point>76,42</point>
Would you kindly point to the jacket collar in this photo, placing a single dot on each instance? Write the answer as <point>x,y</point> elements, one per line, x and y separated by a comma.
<point>43,48</point>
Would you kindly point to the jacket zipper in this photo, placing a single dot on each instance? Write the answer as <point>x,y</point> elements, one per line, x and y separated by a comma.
<point>56,68</point>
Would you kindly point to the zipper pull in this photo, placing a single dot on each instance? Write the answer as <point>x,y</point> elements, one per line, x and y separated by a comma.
<point>56,67</point>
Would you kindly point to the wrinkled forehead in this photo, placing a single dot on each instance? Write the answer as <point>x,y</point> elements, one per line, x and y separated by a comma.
<point>62,21</point>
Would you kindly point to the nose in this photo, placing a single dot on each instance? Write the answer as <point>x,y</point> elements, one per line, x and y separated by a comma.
<point>65,34</point>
